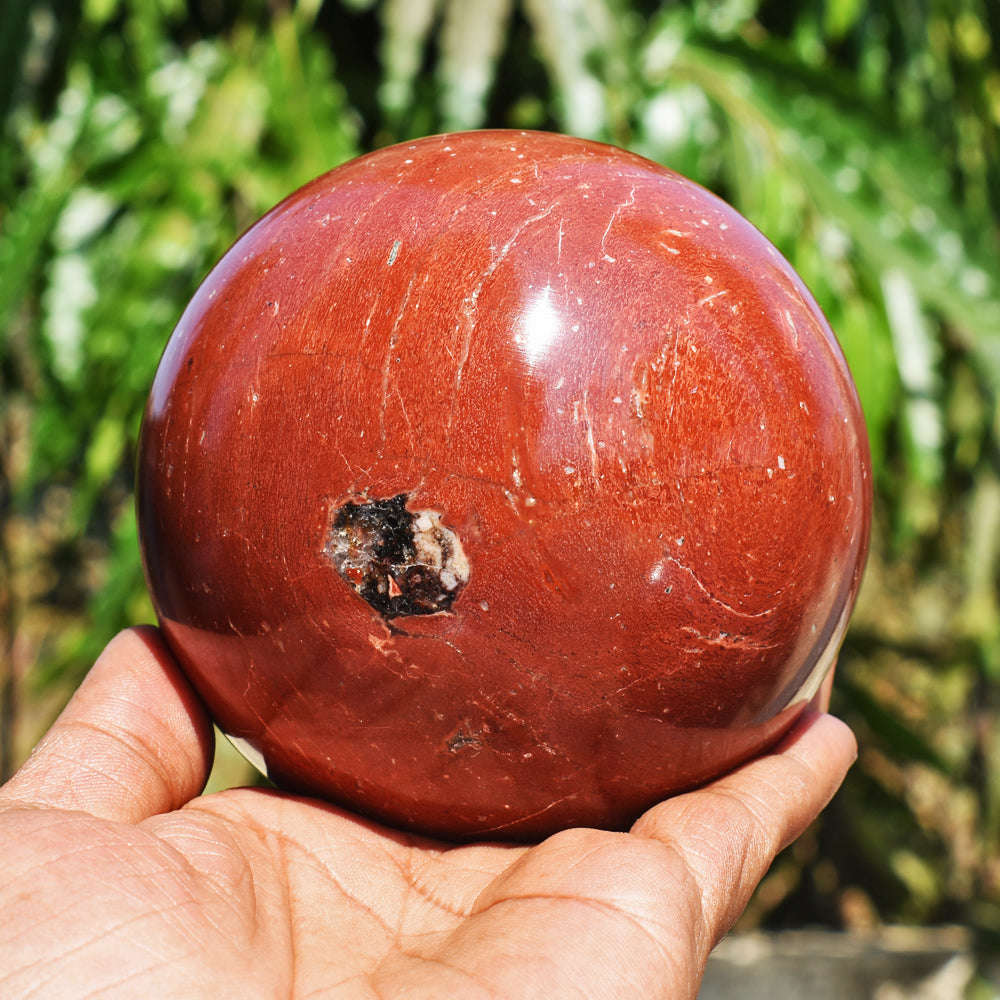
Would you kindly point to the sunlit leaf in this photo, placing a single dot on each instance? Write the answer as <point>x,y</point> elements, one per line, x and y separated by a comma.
<point>406,26</point>
<point>841,16</point>
<point>917,358</point>
<point>471,38</point>
<point>569,35</point>
<point>888,192</point>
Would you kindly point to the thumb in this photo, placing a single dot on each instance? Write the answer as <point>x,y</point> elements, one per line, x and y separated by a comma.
<point>133,741</point>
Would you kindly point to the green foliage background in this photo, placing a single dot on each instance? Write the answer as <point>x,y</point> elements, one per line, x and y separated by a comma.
<point>141,136</point>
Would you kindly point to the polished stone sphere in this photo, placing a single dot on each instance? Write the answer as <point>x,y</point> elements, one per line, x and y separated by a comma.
<point>500,482</point>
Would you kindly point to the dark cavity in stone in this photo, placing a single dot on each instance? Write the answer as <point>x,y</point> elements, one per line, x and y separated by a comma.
<point>401,562</point>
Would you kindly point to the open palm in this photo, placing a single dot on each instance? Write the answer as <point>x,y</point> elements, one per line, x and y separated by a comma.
<point>121,880</point>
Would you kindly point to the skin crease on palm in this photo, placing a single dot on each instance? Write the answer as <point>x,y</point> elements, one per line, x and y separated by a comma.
<point>121,880</point>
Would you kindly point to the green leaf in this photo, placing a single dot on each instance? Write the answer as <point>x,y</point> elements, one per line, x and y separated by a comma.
<point>841,16</point>
<point>471,38</point>
<point>406,26</point>
<point>888,191</point>
<point>917,358</point>
<point>571,36</point>
<point>900,740</point>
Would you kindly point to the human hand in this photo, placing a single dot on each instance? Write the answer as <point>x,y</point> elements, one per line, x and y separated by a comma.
<point>121,880</point>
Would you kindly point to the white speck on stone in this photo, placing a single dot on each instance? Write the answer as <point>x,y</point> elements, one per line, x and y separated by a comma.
<point>781,462</point>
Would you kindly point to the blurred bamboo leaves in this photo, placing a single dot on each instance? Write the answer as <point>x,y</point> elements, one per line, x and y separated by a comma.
<point>862,136</point>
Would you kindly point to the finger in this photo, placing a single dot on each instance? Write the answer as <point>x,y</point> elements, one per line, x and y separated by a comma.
<point>133,741</point>
<point>729,832</point>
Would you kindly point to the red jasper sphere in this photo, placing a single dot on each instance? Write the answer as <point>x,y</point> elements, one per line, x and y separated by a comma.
<point>501,482</point>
